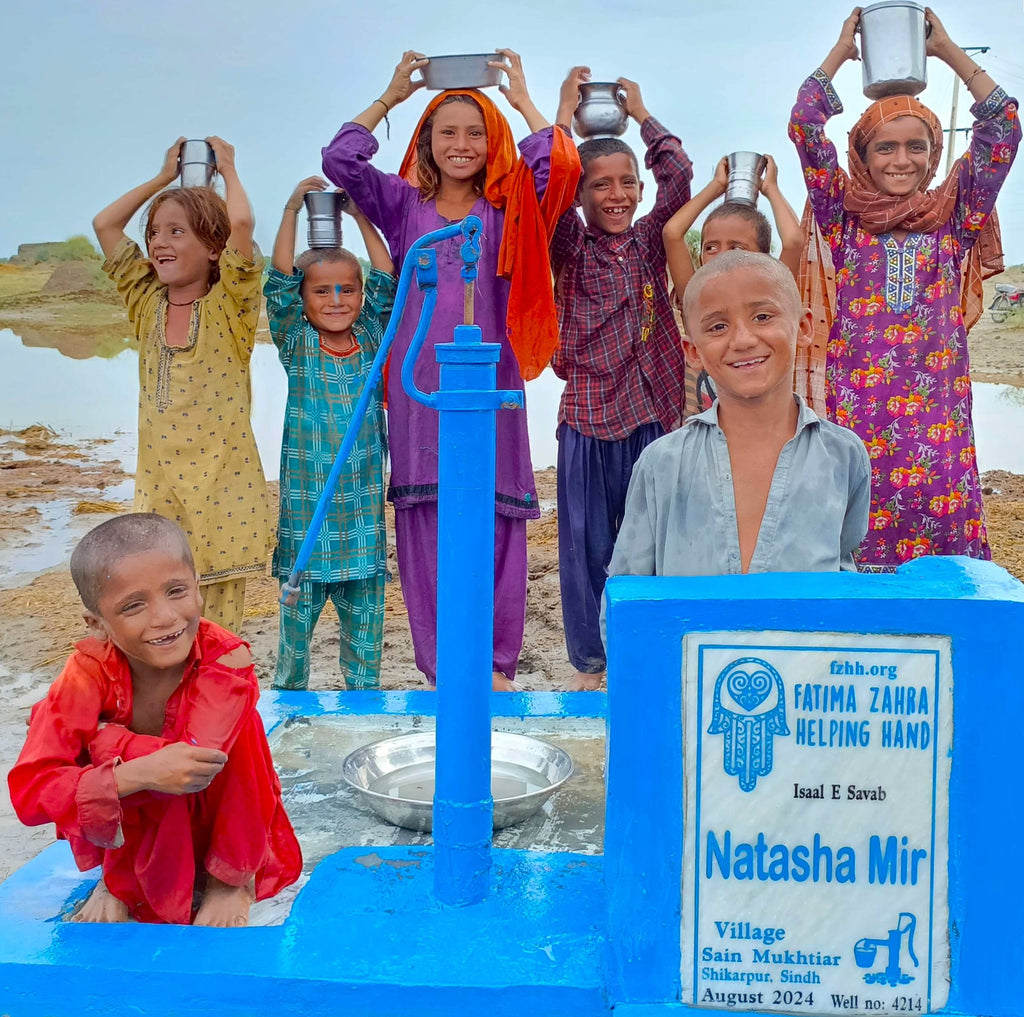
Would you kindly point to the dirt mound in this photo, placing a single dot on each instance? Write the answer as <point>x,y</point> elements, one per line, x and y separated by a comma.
<point>74,277</point>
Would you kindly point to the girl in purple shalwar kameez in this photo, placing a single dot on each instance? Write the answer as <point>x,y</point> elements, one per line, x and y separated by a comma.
<point>908,267</point>
<point>453,158</point>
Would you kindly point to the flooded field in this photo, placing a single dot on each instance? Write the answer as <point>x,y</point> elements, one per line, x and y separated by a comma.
<point>97,397</point>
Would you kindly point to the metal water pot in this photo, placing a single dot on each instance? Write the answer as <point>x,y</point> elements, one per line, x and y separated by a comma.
<point>602,110</point>
<point>745,172</point>
<point>197,165</point>
<point>892,48</point>
<point>323,218</point>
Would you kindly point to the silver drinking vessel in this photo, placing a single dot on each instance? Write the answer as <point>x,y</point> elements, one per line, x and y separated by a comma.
<point>745,172</point>
<point>892,48</point>
<point>602,110</point>
<point>197,165</point>
<point>465,70</point>
<point>323,218</point>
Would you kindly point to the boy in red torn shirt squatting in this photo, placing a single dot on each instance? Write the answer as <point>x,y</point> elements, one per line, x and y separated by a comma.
<point>147,752</point>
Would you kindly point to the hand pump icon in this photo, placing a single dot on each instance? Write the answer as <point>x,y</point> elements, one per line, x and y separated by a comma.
<point>865,950</point>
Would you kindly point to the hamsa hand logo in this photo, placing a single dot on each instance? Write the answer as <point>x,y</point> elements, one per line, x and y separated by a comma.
<point>749,710</point>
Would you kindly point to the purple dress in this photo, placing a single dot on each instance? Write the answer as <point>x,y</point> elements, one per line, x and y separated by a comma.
<point>897,370</point>
<point>395,207</point>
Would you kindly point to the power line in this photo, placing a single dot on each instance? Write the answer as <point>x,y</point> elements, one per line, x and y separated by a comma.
<point>956,98</point>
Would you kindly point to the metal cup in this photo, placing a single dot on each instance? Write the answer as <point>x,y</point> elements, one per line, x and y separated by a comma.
<point>892,47</point>
<point>323,218</point>
<point>745,172</point>
<point>197,165</point>
<point>602,110</point>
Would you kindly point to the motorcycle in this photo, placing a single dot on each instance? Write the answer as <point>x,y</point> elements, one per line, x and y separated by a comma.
<point>1008,298</point>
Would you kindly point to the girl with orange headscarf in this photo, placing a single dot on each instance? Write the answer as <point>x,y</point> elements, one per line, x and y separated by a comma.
<point>461,159</point>
<point>893,274</point>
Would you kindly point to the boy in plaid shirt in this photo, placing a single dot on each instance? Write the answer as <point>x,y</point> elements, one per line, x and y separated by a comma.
<point>619,354</point>
<point>327,332</point>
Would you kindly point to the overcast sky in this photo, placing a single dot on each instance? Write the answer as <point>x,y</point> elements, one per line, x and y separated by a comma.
<point>94,92</point>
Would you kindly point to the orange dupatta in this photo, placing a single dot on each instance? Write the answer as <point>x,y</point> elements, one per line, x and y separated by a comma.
<point>531,320</point>
<point>921,212</point>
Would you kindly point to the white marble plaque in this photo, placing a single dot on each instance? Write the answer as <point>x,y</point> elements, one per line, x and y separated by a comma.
<point>816,776</point>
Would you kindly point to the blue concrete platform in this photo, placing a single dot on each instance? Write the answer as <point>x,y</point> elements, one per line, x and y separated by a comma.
<point>365,933</point>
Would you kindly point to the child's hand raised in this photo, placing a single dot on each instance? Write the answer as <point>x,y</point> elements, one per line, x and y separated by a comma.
<point>770,181</point>
<point>294,203</point>
<point>569,94</point>
<point>634,102</point>
<point>170,168</point>
<point>937,42</point>
<point>515,91</point>
<point>846,46</point>
<point>721,177</point>
<point>847,43</point>
<point>223,153</point>
<point>570,90</point>
<point>402,84</point>
<point>351,208</point>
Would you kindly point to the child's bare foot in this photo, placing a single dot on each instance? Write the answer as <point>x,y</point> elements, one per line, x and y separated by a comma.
<point>583,682</point>
<point>102,906</point>
<point>224,906</point>
<point>502,683</point>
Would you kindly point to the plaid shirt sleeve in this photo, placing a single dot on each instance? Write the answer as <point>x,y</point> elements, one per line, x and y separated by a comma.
<point>284,311</point>
<point>568,238</point>
<point>378,302</point>
<point>673,172</point>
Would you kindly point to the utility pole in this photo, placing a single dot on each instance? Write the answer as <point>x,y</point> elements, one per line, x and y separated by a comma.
<point>970,50</point>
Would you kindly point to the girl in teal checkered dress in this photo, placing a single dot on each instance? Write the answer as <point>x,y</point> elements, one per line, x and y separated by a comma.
<point>327,329</point>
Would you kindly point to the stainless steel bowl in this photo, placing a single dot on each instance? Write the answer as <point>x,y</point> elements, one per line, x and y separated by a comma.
<point>197,165</point>
<point>467,70</point>
<point>396,777</point>
<point>892,48</point>
<point>745,171</point>
<point>601,112</point>
<point>323,218</point>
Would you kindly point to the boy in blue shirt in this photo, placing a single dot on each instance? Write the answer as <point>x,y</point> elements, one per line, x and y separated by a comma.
<point>757,483</point>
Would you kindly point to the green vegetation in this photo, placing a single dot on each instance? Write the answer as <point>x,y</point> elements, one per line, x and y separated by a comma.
<point>76,248</point>
<point>693,242</point>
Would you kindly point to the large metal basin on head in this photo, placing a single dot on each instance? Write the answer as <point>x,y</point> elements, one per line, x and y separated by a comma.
<point>462,70</point>
<point>395,777</point>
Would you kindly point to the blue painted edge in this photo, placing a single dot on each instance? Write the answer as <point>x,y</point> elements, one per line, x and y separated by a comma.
<point>280,707</point>
<point>978,604</point>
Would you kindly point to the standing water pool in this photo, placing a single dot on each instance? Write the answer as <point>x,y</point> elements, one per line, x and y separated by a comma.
<point>97,397</point>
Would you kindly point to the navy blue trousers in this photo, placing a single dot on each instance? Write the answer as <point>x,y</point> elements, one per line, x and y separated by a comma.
<point>593,477</point>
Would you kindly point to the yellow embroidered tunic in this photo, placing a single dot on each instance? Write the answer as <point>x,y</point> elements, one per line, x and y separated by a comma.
<point>198,463</point>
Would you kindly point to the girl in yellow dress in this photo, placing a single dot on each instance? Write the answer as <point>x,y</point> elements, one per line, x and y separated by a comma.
<point>194,303</point>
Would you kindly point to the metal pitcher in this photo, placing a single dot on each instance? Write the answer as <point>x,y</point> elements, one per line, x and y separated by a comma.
<point>197,165</point>
<point>602,110</point>
<point>745,172</point>
<point>323,218</point>
<point>892,48</point>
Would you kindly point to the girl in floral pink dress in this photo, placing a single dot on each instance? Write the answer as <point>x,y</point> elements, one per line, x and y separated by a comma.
<point>894,274</point>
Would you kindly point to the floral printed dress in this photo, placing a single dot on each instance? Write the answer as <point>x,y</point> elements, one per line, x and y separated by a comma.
<point>897,367</point>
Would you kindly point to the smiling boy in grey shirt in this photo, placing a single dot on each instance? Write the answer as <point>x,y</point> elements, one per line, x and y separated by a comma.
<point>757,483</point>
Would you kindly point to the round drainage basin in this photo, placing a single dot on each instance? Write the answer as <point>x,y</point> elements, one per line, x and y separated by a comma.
<point>395,777</point>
